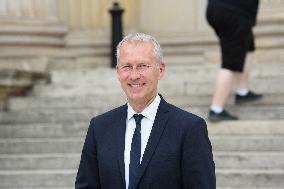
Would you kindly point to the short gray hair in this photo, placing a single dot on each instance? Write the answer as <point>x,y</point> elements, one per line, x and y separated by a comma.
<point>141,37</point>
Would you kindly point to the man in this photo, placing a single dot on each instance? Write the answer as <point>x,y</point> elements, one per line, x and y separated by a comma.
<point>232,21</point>
<point>147,143</point>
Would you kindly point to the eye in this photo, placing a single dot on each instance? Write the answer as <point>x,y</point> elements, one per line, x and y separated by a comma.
<point>126,67</point>
<point>143,66</point>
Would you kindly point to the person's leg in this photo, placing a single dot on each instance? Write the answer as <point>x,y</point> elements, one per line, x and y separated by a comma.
<point>222,87</point>
<point>221,93</point>
<point>227,28</point>
<point>242,78</point>
<point>243,93</point>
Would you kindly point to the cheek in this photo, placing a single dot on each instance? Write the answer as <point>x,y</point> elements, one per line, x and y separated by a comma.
<point>121,78</point>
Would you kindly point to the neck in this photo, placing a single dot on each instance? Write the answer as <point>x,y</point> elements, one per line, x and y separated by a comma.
<point>139,106</point>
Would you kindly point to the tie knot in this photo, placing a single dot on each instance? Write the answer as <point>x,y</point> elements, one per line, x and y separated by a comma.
<point>138,118</point>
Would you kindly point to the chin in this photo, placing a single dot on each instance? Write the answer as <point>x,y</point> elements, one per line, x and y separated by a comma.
<point>135,96</point>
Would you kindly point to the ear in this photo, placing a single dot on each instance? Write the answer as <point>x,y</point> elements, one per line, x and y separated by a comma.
<point>162,69</point>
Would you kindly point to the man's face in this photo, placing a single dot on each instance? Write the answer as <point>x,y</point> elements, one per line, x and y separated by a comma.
<point>138,72</point>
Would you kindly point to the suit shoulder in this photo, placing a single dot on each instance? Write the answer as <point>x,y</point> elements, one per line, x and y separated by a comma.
<point>109,115</point>
<point>185,115</point>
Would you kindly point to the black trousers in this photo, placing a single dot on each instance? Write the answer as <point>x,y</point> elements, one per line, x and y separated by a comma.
<point>235,36</point>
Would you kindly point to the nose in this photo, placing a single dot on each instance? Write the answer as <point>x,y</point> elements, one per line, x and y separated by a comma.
<point>134,74</point>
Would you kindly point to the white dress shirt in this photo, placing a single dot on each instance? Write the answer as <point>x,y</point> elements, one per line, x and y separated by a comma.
<point>147,122</point>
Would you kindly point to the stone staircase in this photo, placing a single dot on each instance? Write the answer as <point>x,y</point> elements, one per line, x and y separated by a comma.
<point>41,134</point>
<point>26,50</point>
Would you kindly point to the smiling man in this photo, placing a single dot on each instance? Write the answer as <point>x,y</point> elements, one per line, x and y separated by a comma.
<point>146,143</point>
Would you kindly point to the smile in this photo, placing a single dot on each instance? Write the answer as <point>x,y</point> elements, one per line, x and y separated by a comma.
<point>136,85</point>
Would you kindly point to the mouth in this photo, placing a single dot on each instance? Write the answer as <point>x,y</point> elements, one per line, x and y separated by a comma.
<point>136,86</point>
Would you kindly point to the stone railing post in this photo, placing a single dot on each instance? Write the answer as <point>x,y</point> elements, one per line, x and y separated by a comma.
<point>116,13</point>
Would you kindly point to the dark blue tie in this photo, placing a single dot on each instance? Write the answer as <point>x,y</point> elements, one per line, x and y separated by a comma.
<point>135,152</point>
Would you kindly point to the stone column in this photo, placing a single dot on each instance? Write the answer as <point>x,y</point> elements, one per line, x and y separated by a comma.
<point>166,17</point>
<point>93,14</point>
<point>184,17</point>
<point>29,10</point>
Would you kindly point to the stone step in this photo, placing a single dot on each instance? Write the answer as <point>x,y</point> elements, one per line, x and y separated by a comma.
<point>272,30</point>
<point>45,146</point>
<point>272,18</point>
<point>48,116</point>
<point>249,160</point>
<point>169,86</point>
<point>103,101</point>
<point>16,82</point>
<point>42,29</point>
<point>78,129</point>
<point>195,72</point>
<point>78,63</point>
<point>190,50</point>
<point>191,53</point>
<point>178,60</point>
<point>266,38</point>
<point>250,178</point>
<point>17,53</point>
<point>44,130</point>
<point>90,51</point>
<point>39,161</point>
<point>38,178</point>
<point>246,112</point>
<point>271,54</point>
<point>269,42</point>
<point>91,62</point>
<point>32,35</point>
<point>186,86</point>
<point>268,112</point>
<point>65,178</point>
<point>259,143</point>
<point>29,40</point>
<point>77,39</point>
<point>3,102</point>
<point>246,128</point>
<point>276,30</point>
<point>223,160</point>
<point>27,64</point>
<point>205,100</point>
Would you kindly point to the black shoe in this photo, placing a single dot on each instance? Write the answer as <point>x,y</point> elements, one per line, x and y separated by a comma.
<point>250,97</point>
<point>224,115</point>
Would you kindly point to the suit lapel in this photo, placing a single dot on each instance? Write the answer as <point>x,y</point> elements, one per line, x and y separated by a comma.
<point>121,125</point>
<point>156,133</point>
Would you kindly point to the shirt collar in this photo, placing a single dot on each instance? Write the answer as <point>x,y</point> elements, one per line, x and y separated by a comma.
<point>149,112</point>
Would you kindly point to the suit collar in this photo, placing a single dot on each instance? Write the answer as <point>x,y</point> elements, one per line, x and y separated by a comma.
<point>157,131</point>
<point>121,125</point>
<point>149,112</point>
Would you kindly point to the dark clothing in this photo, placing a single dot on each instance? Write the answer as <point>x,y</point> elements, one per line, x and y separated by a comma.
<point>232,21</point>
<point>178,153</point>
<point>245,8</point>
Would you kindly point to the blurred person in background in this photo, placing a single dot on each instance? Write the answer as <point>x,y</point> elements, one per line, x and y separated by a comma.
<point>232,21</point>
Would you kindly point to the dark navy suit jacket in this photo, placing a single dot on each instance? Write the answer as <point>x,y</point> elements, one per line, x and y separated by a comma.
<point>178,153</point>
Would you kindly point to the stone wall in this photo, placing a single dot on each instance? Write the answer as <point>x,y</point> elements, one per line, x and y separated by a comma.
<point>94,15</point>
<point>159,17</point>
<point>28,10</point>
<point>167,17</point>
